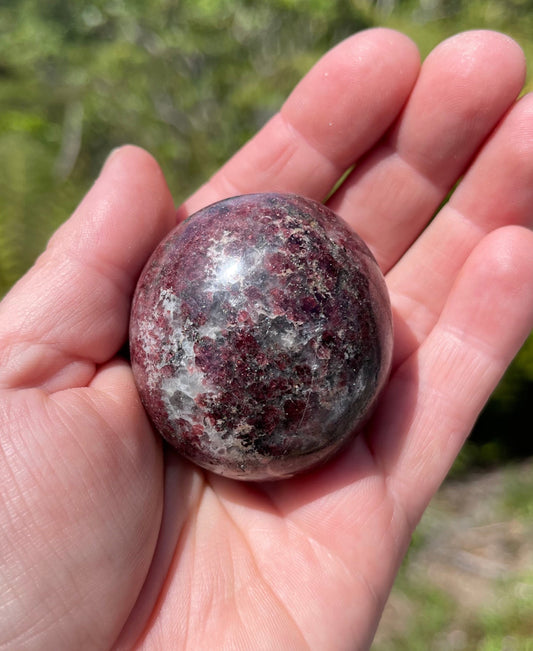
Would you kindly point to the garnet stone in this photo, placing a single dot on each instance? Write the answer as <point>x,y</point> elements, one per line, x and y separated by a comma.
<point>260,336</point>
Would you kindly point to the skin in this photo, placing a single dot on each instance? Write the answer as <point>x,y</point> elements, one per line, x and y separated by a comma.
<point>109,540</point>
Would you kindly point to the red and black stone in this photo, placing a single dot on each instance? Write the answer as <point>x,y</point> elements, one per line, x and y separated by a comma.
<point>260,336</point>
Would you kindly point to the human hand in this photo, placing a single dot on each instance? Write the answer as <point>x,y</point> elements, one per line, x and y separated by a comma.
<point>109,539</point>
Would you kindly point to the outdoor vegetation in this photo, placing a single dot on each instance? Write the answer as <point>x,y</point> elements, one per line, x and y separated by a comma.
<point>467,581</point>
<point>191,81</point>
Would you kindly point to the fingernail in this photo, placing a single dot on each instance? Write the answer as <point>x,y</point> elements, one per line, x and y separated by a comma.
<point>110,157</point>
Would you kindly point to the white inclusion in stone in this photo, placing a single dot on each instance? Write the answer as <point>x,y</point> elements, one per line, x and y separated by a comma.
<point>189,383</point>
<point>288,338</point>
<point>169,302</point>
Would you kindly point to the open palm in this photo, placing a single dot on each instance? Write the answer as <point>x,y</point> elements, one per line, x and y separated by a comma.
<point>109,539</point>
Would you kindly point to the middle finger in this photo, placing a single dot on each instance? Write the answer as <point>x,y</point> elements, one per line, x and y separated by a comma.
<point>465,86</point>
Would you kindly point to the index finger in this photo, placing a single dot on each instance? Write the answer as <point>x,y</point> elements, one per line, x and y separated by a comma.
<point>334,115</point>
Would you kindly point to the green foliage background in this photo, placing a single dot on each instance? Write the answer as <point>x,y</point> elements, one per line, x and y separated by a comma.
<point>191,81</point>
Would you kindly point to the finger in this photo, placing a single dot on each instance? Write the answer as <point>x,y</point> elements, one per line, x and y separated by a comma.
<point>497,190</point>
<point>71,310</point>
<point>465,86</point>
<point>436,395</point>
<point>339,110</point>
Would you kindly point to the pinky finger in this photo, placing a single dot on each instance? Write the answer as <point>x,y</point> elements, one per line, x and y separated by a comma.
<point>447,381</point>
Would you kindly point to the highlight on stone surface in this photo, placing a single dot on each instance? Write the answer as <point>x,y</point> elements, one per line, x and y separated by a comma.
<point>260,336</point>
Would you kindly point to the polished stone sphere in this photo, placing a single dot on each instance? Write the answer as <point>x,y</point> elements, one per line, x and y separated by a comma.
<point>260,336</point>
